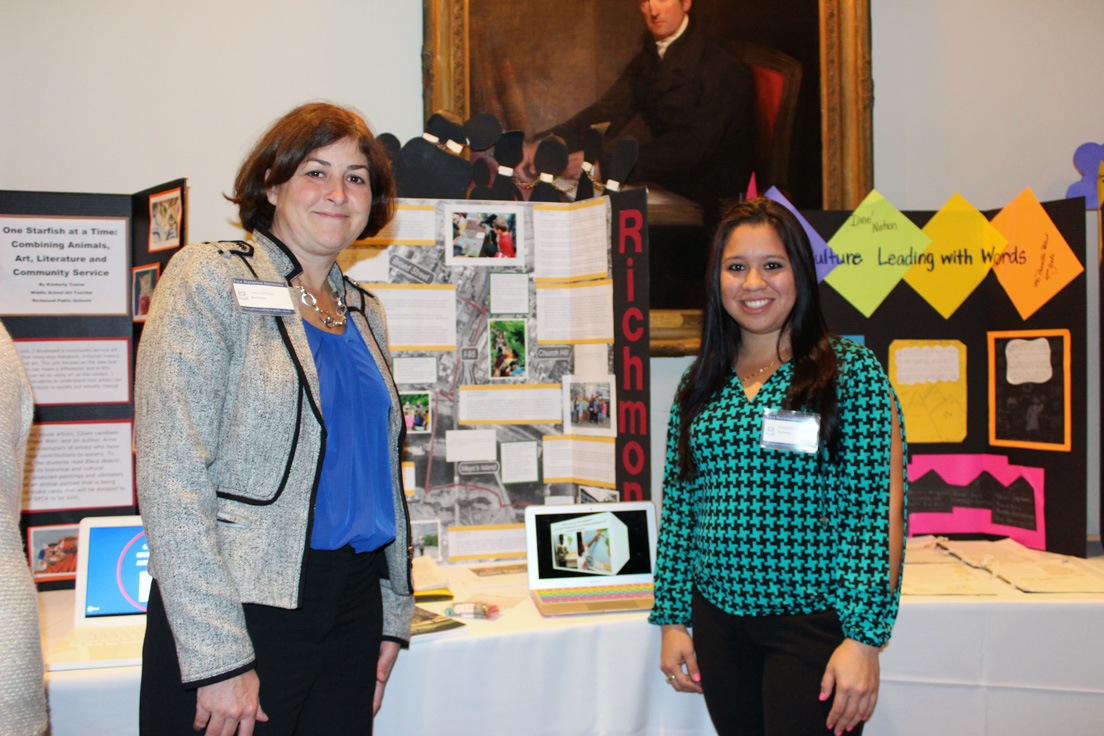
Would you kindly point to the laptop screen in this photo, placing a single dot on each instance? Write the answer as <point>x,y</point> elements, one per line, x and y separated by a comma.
<point>117,582</point>
<point>592,545</point>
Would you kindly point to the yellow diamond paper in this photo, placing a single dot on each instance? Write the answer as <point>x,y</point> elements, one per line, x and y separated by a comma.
<point>874,249</point>
<point>1037,263</point>
<point>963,248</point>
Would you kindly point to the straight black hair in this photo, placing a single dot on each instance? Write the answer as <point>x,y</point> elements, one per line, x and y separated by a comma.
<point>815,364</point>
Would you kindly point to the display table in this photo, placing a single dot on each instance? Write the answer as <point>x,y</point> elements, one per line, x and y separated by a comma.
<point>1007,664</point>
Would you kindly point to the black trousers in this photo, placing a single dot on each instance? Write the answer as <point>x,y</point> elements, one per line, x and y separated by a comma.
<point>316,663</point>
<point>761,674</point>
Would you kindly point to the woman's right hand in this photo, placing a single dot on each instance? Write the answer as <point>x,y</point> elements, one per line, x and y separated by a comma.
<point>676,651</point>
<point>221,707</point>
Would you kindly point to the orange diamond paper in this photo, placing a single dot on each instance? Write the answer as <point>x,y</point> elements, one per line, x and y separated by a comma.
<point>1038,262</point>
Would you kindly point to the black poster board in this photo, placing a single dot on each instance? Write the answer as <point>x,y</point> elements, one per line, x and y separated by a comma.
<point>906,315</point>
<point>49,533</point>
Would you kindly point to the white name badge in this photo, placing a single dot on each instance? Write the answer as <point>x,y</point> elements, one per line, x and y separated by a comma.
<point>790,430</point>
<point>263,297</point>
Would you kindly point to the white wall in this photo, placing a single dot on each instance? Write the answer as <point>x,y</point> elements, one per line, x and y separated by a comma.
<point>984,97</point>
<point>115,96</point>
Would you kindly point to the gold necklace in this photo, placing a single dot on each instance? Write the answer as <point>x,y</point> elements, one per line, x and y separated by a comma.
<point>328,320</point>
<point>768,366</point>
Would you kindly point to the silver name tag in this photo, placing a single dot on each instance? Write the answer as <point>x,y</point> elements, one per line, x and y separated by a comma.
<point>263,297</point>
<point>794,431</point>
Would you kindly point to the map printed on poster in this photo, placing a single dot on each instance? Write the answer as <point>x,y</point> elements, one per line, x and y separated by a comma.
<point>482,347</point>
<point>872,251</point>
<point>964,247</point>
<point>64,265</point>
<point>930,379</point>
<point>1038,262</point>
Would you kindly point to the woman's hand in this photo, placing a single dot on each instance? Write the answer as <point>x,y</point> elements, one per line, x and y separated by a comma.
<point>389,652</point>
<point>221,707</point>
<point>853,672</point>
<point>677,650</point>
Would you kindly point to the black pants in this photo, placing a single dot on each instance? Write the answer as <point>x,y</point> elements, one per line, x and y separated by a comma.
<point>761,674</point>
<point>316,663</point>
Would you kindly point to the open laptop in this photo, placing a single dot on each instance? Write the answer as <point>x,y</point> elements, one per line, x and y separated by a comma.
<point>590,558</point>
<point>109,609</point>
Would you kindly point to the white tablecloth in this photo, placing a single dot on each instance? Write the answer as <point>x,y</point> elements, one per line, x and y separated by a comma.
<point>1002,665</point>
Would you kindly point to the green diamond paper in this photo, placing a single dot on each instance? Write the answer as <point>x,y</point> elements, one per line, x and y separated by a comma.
<point>874,249</point>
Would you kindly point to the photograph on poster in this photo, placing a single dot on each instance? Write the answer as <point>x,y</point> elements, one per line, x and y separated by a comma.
<point>426,536</point>
<point>52,551</point>
<point>594,494</point>
<point>483,237</point>
<point>590,405</point>
<point>77,370</point>
<point>417,411</point>
<point>166,213</point>
<point>143,284</point>
<point>507,348</point>
<point>1029,389</point>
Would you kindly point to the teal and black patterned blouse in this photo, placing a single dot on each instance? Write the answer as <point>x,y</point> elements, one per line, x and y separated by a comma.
<point>763,532</point>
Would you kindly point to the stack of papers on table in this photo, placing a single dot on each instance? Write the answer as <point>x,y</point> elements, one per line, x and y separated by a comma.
<point>973,568</point>
<point>1030,570</point>
<point>430,581</point>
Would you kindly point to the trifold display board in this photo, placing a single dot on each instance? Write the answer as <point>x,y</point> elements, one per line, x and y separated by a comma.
<point>983,334</point>
<point>76,274</point>
<point>519,339</point>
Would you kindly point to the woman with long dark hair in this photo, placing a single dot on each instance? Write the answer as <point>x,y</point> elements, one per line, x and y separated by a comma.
<point>784,498</point>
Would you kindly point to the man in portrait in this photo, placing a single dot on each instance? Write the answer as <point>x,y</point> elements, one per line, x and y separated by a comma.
<point>688,101</point>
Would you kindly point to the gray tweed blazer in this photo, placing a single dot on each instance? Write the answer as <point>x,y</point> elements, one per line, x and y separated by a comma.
<point>229,432</point>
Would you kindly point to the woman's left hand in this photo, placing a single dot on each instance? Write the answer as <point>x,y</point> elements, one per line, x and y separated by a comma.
<point>853,673</point>
<point>389,652</point>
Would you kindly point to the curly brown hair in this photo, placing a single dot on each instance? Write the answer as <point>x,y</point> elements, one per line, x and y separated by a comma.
<point>289,141</point>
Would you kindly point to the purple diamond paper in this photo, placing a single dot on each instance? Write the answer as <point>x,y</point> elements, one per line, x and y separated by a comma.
<point>822,254</point>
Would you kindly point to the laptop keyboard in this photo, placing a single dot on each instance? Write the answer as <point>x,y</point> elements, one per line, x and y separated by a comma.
<point>599,593</point>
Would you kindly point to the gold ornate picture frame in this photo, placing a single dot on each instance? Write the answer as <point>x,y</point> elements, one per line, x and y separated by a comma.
<point>846,95</point>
